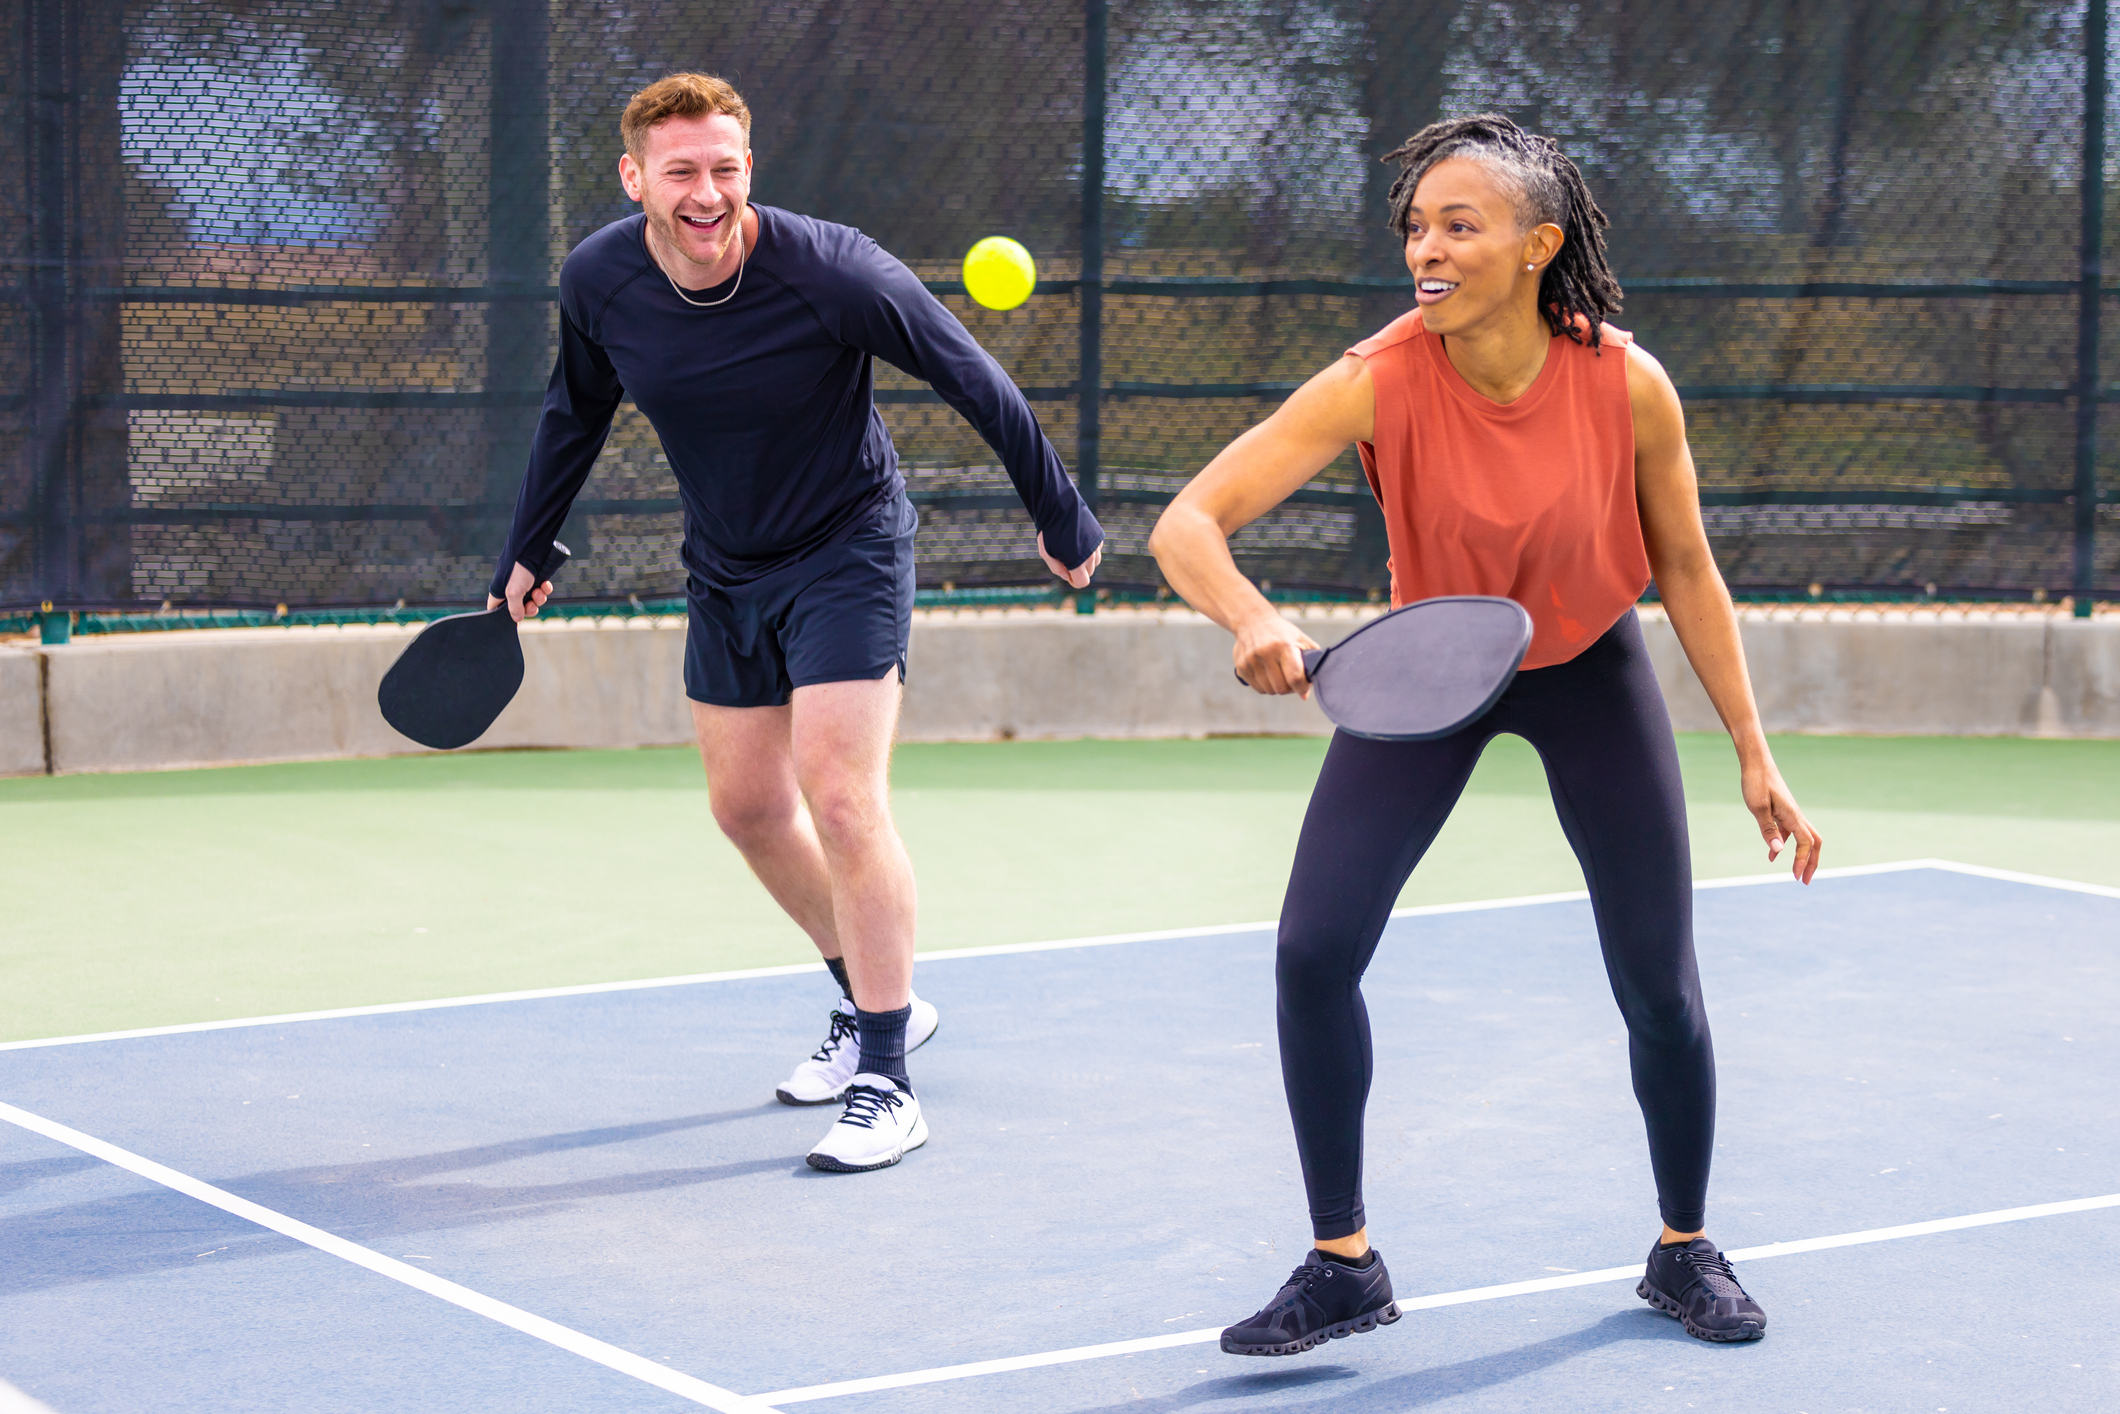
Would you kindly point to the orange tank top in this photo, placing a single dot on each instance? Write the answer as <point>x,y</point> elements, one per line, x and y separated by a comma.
<point>1533,499</point>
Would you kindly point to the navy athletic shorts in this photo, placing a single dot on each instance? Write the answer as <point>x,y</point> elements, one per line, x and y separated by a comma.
<point>842,614</point>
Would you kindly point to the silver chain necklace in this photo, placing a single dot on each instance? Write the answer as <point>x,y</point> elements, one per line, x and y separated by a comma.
<point>741,255</point>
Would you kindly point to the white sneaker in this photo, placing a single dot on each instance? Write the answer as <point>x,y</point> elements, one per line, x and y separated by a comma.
<point>824,1077</point>
<point>921,1025</point>
<point>881,1122</point>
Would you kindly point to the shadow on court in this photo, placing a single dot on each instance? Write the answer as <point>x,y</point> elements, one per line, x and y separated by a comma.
<point>34,1171</point>
<point>158,1230</point>
<point>1407,1391</point>
<point>1111,1160</point>
<point>1262,1384</point>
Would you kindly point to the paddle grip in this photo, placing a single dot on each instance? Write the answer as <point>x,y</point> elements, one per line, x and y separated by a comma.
<point>1311,658</point>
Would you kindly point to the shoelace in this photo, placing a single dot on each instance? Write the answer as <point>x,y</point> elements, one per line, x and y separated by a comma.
<point>1714,1271</point>
<point>842,1032</point>
<point>866,1104</point>
<point>1307,1276</point>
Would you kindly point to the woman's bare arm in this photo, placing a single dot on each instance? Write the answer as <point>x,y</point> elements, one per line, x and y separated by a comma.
<point>1698,603</point>
<point>1246,479</point>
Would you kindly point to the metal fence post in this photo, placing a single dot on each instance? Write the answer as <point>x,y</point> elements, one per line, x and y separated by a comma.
<point>1402,92</point>
<point>51,395</point>
<point>1089,366</point>
<point>2088,301</point>
<point>518,255</point>
<point>80,482</point>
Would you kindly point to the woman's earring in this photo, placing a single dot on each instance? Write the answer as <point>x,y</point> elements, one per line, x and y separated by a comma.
<point>1531,267</point>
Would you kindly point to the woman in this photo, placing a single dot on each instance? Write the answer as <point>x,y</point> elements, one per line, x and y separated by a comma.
<point>1519,445</point>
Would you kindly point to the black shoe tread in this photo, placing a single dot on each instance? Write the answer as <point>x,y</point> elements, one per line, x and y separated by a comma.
<point>1746,1330</point>
<point>825,1163</point>
<point>1360,1325</point>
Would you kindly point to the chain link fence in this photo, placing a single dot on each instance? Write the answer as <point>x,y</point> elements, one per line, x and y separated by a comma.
<point>277,306</point>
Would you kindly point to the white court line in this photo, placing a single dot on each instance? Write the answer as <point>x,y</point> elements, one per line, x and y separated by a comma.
<point>713,1396</point>
<point>1429,1303</point>
<point>728,1402</point>
<point>14,1401</point>
<point>572,1341</point>
<point>584,989</point>
<point>2011,876</point>
<point>390,1008</point>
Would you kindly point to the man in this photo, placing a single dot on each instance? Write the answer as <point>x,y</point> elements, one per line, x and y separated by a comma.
<point>746,334</point>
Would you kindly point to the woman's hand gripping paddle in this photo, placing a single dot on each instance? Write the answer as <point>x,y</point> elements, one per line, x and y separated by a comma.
<point>449,684</point>
<point>1422,671</point>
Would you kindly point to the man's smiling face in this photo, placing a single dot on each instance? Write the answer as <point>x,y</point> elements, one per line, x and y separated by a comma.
<point>694,181</point>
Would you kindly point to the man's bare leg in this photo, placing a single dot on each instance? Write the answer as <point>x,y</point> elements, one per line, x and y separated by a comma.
<point>842,748</point>
<point>803,791</point>
<point>842,758</point>
<point>749,757</point>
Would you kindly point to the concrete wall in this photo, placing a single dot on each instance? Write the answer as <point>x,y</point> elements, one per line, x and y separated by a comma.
<point>2001,674</point>
<point>149,701</point>
<point>21,713</point>
<point>979,676</point>
<point>222,696</point>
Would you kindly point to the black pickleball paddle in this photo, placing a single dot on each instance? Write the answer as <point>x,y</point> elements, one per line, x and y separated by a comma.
<point>1422,671</point>
<point>449,684</point>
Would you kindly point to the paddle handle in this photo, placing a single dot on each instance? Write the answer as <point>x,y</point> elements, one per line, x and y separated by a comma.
<point>1312,657</point>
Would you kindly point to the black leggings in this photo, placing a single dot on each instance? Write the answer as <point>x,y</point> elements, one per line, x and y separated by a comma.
<point>1599,724</point>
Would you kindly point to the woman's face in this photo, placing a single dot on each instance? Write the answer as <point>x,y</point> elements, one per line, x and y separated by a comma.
<point>1467,250</point>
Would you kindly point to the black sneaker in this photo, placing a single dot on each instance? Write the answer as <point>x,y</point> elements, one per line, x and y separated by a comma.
<point>1322,1301</point>
<point>1695,1283</point>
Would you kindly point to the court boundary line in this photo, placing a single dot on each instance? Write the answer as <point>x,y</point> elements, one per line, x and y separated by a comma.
<point>729,1402</point>
<point>584,989</point>
<point>2012,876</point>
<point>726,1401</point>
<point>16,1401</point>
<point>572,1341</point>
<point>1008,1364</point>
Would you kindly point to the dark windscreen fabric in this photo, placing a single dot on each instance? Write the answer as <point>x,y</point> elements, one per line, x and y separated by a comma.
<point>277,279</point>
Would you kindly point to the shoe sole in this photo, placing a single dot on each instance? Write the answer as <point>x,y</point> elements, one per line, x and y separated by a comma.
<point>1360,1325</point>
<point>825,1163</point>
<point>786,1099</point>
<point>1746,1330</point>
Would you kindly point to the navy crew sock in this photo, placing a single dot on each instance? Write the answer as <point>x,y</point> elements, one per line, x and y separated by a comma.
<point>838,966</point>
<point>1360,1264</point>
<point>883,1042</point>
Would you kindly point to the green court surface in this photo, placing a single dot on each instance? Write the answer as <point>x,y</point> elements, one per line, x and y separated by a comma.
<point>150,899</point>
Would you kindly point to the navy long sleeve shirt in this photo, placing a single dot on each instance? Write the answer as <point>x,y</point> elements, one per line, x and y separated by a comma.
<point>764,404</point>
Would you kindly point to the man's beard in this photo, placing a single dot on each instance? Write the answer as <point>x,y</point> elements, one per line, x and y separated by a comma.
<point>671,229</point>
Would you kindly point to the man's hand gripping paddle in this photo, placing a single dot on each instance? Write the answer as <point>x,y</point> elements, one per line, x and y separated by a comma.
<point>1422,671</point>
<point>449,684</point>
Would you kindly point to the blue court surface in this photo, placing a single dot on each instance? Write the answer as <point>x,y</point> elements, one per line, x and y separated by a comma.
<point>589,1201</point>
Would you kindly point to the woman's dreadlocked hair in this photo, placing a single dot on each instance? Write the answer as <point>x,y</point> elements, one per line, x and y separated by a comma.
<point>1577,290</point>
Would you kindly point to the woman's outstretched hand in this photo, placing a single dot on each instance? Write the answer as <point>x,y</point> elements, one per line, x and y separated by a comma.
<point>1781,820</point>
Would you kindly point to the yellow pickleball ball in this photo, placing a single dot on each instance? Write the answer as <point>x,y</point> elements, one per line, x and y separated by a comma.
<point>999,273</point>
